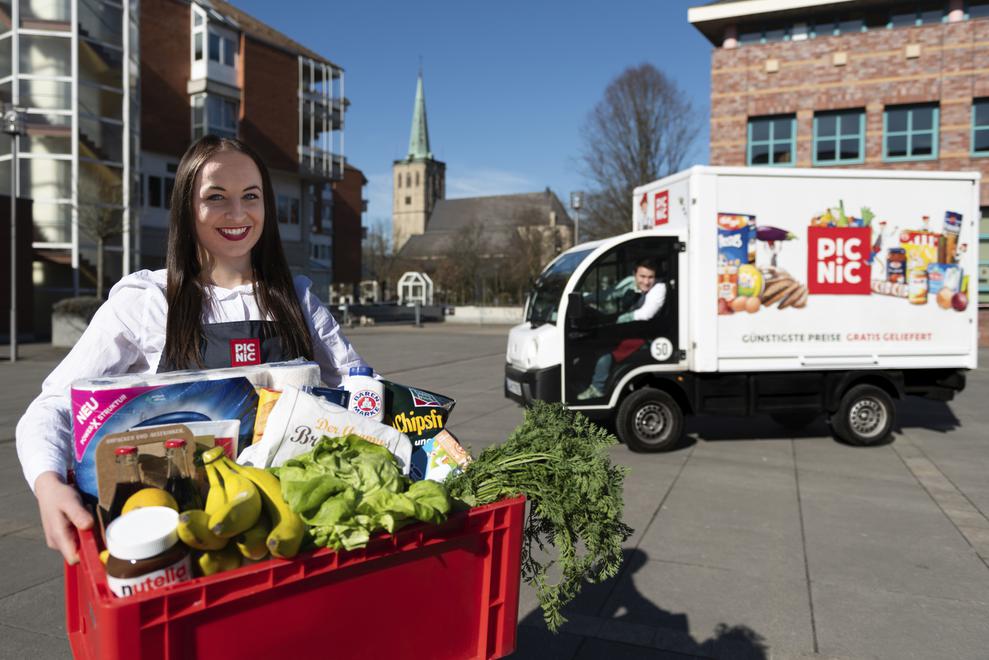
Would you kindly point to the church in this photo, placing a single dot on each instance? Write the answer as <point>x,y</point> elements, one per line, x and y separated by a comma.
<point>426,226</point>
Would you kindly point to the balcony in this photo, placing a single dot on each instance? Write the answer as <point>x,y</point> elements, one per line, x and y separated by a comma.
<point>320,163</point>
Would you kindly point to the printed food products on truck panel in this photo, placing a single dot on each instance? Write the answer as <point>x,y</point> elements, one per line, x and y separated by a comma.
<point>812,269</point>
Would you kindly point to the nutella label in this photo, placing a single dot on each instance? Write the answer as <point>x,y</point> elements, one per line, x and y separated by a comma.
<point>180,571</point>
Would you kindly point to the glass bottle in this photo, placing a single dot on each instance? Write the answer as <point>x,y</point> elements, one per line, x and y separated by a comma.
<point>128,480</point>
<point>178,481</point>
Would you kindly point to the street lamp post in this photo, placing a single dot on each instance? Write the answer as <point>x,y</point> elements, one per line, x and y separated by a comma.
<point>576,203</point>
<point>12,126</point>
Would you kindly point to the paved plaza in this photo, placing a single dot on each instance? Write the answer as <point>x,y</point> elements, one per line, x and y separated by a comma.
<point>749,542</point>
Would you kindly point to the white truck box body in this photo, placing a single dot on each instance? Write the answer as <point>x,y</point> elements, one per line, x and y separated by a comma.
<point>852,317</point>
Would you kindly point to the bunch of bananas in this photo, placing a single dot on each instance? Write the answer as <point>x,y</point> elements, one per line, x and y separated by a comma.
<point>244,504</point>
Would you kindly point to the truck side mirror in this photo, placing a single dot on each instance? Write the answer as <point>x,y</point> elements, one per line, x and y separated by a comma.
<point>575,306</point>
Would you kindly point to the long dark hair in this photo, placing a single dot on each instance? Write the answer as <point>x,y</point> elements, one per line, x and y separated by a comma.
<point>273,287</point>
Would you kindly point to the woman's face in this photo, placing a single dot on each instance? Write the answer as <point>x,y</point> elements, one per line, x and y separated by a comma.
<point>228,206</point>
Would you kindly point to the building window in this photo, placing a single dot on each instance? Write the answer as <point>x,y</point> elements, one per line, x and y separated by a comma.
<point>417,178</point>
<point>984,256</point>
<point>288,210</point>
<point>772,140</point>
<point>910,132</point>
<point>154,191</point>
<point>977,9</point>
<point>839,137</point>
<point>214,115</point>
<point>159,194</point>
<point>980,127</point>
<point>222,49</point>
<point>399,180</point>
<point>408,201</point>
<point>408,180</point>
<point>198,33</point>
<point>911,16</point>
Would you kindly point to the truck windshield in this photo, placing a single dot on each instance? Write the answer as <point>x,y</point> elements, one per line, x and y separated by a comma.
<point>544,299</point>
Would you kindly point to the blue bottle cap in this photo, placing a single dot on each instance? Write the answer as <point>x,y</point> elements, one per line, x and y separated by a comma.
<point>361,371</point>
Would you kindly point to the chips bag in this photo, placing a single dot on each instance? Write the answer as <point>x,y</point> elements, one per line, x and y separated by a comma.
<point>420,415</point>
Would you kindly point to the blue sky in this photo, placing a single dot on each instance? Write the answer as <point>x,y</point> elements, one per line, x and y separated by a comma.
<point>508,84</point>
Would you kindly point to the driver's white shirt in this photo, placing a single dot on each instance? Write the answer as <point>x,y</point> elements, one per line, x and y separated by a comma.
<point>655,298</point>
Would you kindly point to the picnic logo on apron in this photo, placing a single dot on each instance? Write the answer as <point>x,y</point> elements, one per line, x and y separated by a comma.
<point>245,352</point>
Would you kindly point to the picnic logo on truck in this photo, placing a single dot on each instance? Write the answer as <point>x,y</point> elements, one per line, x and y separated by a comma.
<point>661,206</point>
<point>837,260</point>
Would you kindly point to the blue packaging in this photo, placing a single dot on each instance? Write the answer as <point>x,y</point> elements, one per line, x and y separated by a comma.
<point>334,395</point>
<point>99,408</point>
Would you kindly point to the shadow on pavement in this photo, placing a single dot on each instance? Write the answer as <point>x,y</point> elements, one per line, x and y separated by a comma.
<point>616,619</point>
<point>912,412</point>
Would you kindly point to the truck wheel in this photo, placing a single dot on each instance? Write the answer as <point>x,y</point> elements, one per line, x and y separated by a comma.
<point>864,417</point>
<point>649,420</point>
<point>794,421</point>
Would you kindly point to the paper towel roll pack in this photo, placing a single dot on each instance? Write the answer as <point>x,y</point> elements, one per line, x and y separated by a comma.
<point>113,404</point>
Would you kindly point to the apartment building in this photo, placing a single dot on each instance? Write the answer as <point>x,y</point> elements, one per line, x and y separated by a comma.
<point>208,67</point>
<point>111,95</point>
<point>852,83</point>
<point>71,67</point>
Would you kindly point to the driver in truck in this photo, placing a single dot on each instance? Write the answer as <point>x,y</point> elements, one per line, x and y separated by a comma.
<point>640,304</point>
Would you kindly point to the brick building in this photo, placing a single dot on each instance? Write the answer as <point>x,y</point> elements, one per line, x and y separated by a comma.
<point>854,83</point>
<point>208,67</point>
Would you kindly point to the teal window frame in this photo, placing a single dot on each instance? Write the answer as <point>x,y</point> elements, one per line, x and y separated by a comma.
<point>910,132</point>
<point>979,128</point>
<point>983,239</point>
<point>772,141</point>
<point>845,120</point>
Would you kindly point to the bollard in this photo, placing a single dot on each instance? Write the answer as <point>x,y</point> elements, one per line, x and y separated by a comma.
<point>418,315</point>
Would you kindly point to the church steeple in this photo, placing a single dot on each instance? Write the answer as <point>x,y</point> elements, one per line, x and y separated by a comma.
<point>419,138</point>
<point>419,180</point>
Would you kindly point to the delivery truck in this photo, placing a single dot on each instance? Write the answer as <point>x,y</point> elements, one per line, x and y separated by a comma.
<point>792,292</point>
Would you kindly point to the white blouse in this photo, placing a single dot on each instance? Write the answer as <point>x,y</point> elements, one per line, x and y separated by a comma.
<point>127,335</point>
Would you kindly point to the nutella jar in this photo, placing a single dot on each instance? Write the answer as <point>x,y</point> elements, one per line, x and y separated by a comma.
<point>145,551</point>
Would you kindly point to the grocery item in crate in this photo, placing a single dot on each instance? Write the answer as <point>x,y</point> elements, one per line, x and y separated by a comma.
<point>298,421</point>
<point>366,394</point>
<point>347,488</point>
<point>145,552</point>
<point>266,401</point>
<point>268,397</point>
<point>420,415</point>
<point>335,395</point>
<point>439,456</point>
<point>104,406</point>
<point>133,460</point>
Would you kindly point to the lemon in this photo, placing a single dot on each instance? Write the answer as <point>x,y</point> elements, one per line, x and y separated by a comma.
<point>104,555</point>
<point>150,497</point>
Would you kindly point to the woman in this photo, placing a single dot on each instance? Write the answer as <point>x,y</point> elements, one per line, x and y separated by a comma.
<point>226,281</point>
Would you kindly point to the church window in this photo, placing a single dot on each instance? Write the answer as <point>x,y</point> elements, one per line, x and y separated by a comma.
<point>399,177</point>
<point>408,180</point>
<point>417,178</point>
<point>408,200</point>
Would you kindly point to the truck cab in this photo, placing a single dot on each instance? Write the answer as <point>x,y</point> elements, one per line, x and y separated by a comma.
<point>578,322</point>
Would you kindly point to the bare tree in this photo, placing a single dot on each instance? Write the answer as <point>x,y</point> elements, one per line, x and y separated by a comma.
<point>101,217</point>
<point>380,263</point>
<point>641,130</point>
<point>530,248</point>
<point>460,271</point>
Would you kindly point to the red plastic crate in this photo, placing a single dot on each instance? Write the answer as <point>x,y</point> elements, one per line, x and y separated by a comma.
<point>429,591</point>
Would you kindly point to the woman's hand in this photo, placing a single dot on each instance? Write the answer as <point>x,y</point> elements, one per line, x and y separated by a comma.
<point>62,512</point>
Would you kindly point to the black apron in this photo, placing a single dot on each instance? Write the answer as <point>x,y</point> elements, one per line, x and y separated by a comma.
<point>235,344</point>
